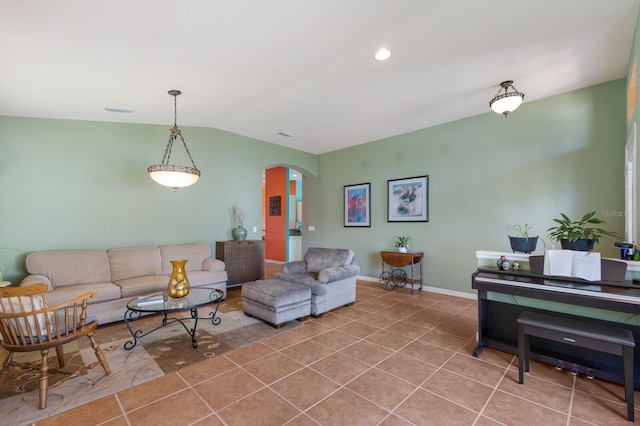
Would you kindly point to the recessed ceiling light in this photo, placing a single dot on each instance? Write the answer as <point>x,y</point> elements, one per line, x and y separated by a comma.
<point>120,109</point>
<point>382,54</point>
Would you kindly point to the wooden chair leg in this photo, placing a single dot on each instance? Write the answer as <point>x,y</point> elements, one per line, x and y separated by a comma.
<point>60,353</point>
<point>7,363</point>
<point>99,354</point>
<point>44,379</point>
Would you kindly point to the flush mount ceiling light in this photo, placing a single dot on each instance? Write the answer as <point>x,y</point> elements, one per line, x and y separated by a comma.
<point>382,54</point>
<point>168,174</point>
<point>504,103</point>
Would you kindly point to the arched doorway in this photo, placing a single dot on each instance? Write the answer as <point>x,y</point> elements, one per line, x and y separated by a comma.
<point>282,213</point>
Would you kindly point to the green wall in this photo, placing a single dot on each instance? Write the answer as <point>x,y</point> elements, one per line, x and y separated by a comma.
<point>73,184</point>
<point>78,184</point>
<point>561,154</point>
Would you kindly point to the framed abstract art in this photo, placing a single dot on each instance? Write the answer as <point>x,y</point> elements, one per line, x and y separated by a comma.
<point>408,200</point>
<point>357,205</point>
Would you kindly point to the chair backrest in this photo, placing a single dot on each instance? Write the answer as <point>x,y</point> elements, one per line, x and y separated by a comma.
<point>23,317</point>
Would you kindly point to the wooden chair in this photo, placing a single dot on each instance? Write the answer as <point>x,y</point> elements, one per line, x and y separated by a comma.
<point>27,324</point>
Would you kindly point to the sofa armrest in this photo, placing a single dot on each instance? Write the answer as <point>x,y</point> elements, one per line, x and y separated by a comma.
<point>336,273</point>
<point>35,279</point>
<point>295,267</point>
<point>210,264</point>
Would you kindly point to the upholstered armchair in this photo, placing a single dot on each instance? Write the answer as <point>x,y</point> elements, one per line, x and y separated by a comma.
<point>331,275</point>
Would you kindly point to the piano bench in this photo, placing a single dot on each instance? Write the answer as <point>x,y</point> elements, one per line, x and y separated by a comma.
<point>581,333</point>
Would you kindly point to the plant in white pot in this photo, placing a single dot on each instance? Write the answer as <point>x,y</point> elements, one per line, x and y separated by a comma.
<point>402,243</point>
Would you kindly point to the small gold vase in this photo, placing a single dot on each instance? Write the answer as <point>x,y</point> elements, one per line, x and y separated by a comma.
<point>178,283</point>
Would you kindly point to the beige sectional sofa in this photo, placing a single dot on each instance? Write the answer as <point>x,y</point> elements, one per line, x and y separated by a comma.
<point>120,274</point>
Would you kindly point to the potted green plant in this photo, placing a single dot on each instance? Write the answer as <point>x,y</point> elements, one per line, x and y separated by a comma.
<point>522,242</point>
<point>402,243</point>
<point>580,235</point>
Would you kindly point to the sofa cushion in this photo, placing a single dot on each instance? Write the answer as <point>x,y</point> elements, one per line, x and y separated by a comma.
<point>70,267</point>
<point>195,254</point>
<point>132,287</point>
<point>319,258</point>
<point>134,262</point>
<point>35,324</point>
<point>105,292</point>
<point>198,278</point>
<point>307,280</point>
<point>275,293</point>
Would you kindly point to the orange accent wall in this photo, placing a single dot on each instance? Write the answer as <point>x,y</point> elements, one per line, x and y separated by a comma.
<point>276,227</point>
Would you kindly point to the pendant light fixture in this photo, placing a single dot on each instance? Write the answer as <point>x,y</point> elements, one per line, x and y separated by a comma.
<point>171,175</point>
<point>504,103</point>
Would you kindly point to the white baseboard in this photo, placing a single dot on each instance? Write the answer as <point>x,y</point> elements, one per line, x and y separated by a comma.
<point>438,290</point>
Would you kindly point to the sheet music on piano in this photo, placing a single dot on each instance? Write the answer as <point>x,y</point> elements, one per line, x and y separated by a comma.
<point>570,263</point>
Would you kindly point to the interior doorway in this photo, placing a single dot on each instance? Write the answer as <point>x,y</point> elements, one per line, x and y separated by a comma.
<point>282,213</point>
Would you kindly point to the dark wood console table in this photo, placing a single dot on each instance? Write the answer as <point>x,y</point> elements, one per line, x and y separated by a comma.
<point>244,260</point>
<point>497,326</point>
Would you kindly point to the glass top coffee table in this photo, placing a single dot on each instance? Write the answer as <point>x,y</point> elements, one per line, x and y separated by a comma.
<point>160,303</point>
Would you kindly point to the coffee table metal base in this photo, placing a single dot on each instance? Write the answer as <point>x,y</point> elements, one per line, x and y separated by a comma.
<point>130,315</point>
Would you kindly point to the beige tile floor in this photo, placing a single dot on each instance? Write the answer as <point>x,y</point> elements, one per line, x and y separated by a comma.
<point>391,359</point>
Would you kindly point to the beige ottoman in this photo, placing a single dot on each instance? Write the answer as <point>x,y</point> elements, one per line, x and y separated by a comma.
<point>276,301</point>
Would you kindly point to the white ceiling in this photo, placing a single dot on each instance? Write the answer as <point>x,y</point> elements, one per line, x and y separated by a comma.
<point>305,67</point>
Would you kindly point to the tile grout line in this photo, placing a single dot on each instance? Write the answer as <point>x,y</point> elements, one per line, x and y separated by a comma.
<point>493,392</point>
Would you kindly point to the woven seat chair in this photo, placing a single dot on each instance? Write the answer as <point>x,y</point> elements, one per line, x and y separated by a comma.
<point>27,324</point>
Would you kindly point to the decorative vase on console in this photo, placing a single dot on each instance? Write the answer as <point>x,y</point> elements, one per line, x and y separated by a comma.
<point>239,232</point>
<point>178,282</point>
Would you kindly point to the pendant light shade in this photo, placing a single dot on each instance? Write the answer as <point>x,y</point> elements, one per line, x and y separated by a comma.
<point>507,101</point>
<point>171,175</point>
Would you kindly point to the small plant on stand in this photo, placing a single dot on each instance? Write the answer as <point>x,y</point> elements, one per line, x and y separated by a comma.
<point>402,243</point>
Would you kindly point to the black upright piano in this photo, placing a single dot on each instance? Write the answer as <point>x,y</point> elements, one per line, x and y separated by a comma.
<point>497,327</point>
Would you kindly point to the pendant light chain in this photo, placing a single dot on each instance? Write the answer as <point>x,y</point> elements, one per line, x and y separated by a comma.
<point>173,175</point>
<point>175,132</point>
<point>187,149</point>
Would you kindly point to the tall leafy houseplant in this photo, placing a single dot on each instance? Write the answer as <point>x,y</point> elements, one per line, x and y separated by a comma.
<point>580,234</point>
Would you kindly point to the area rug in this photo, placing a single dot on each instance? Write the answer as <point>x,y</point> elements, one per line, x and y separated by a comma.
<point>161,352</point>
